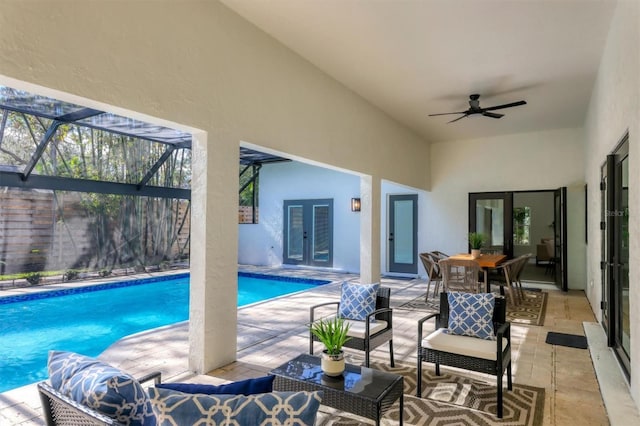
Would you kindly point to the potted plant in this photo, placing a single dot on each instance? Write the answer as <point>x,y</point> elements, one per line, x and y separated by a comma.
<point>332,333</point>
<point>476,241</point>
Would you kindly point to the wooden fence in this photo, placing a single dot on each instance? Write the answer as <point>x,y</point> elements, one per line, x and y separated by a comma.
<point>245,214</point>
<point>42,230</point>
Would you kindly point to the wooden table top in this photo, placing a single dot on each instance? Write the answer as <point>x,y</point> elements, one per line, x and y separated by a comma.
<point>485,260</point>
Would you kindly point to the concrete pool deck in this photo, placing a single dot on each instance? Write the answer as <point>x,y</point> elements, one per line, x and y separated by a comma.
<point>266,339</point>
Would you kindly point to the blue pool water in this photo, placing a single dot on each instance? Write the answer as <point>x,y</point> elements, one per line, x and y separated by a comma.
<point>88,320</point>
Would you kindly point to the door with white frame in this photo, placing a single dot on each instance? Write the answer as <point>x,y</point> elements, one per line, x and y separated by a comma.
<point>308,232</point>
<point>402,230</point>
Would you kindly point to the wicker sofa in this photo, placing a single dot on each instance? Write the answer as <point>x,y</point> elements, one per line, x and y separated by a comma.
<point>60,410</point>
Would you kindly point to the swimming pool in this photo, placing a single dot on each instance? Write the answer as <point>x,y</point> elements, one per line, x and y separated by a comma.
<point>88,320</point>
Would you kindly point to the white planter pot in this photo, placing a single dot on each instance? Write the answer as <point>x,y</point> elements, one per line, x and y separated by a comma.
<point>332,365</point>
<point>475,253</point>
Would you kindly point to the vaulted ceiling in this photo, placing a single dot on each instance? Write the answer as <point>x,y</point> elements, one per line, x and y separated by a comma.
<point>412,58</point>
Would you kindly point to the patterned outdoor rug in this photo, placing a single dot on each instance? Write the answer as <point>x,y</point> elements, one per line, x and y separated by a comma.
<point>531,311</point>
<point>452,399</point>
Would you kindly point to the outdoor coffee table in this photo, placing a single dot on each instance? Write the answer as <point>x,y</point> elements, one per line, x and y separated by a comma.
<point>366,392</point>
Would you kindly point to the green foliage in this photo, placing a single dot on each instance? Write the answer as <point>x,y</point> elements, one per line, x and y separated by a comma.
<point>71,274</point>
<point>332,333</point>
<point>104,272</point>
<point>33,277</point>
<point>521,224</point>
<point>125,230</point>
<point>476,240</point>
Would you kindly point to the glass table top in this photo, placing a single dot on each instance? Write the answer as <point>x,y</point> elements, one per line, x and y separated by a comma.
<point>363,381</point>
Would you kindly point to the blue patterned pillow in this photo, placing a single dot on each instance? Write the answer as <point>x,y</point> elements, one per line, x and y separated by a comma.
<point>100,387</point>
<point>471,314</point>
<point>358,300</point>
<point>242,387</point>
<point>275,408</point>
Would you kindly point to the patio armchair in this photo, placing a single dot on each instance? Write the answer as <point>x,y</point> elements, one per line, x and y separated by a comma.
<point>365,307</point>
<point>470,336</point>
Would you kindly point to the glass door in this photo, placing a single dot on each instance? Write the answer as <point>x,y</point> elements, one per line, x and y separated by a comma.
<point>403,233</point>
<point>560,238</point>
<point>491,214</point>
<point>605,284</point>
<point>617,253</point>
<point>308,232</point>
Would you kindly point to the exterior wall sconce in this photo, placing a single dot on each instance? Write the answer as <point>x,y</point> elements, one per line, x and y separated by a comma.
<point>355,204</point>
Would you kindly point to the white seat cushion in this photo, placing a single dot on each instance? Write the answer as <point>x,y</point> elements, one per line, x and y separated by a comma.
<point>357,328</point>
<point>462,345</point>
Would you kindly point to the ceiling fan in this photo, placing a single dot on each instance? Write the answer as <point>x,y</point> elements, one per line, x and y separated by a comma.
<point>474,108</point>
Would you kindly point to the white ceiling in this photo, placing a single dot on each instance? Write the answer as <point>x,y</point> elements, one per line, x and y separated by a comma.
<point>412,58</point>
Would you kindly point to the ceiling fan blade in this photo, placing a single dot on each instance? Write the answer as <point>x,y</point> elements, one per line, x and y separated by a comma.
<point>512,104</point>
<point>459,118</point>
<point>492,114</point>
<point>448,113</point>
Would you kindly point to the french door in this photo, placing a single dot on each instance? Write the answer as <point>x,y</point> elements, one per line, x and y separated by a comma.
<point>491,214</point>
<point>403,233</point>
<point>308,232</point>
<point>615,265</point>
<point>560,237</point>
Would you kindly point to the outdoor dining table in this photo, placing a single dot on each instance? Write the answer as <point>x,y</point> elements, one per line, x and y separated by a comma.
<point>486,262</point>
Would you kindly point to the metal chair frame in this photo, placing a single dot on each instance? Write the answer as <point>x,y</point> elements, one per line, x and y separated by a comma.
<point>370,341</point>
<point>496,367</point>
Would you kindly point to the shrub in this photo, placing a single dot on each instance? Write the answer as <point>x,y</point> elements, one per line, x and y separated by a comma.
<point>33,278</point>
<point>71,274</point>
<point>104,272</point>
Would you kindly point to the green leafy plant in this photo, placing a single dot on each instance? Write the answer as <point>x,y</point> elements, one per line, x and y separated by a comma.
<point>105,272</point>
<point>476,240</point>
<point>71,274</point>
<point>332,333</point>
<point>33,277</point>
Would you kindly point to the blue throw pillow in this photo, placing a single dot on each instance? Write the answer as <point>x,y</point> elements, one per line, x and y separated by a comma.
<point>471,314</point>
<point>274,408</point>
<point>101,387</point>
<point>357,300</point>
<point>243,387</point>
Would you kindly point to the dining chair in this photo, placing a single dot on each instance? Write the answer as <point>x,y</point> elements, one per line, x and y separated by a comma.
<point>523,261</point>
<point>439,254</point>
<point>505,275</point>
<point>461,275</point>
<point>433,273</point>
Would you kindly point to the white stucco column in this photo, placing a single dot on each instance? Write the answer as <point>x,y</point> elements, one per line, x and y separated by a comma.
<point>214,248</point>
<point>370,229</point>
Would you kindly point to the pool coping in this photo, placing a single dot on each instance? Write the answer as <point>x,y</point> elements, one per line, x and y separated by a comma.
<point>21,294</point>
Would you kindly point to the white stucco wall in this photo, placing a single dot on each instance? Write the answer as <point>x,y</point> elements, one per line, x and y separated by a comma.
<point>614,110</point>
<point>262,244</point>
<point>528,161</point>
<point>197,65</point>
